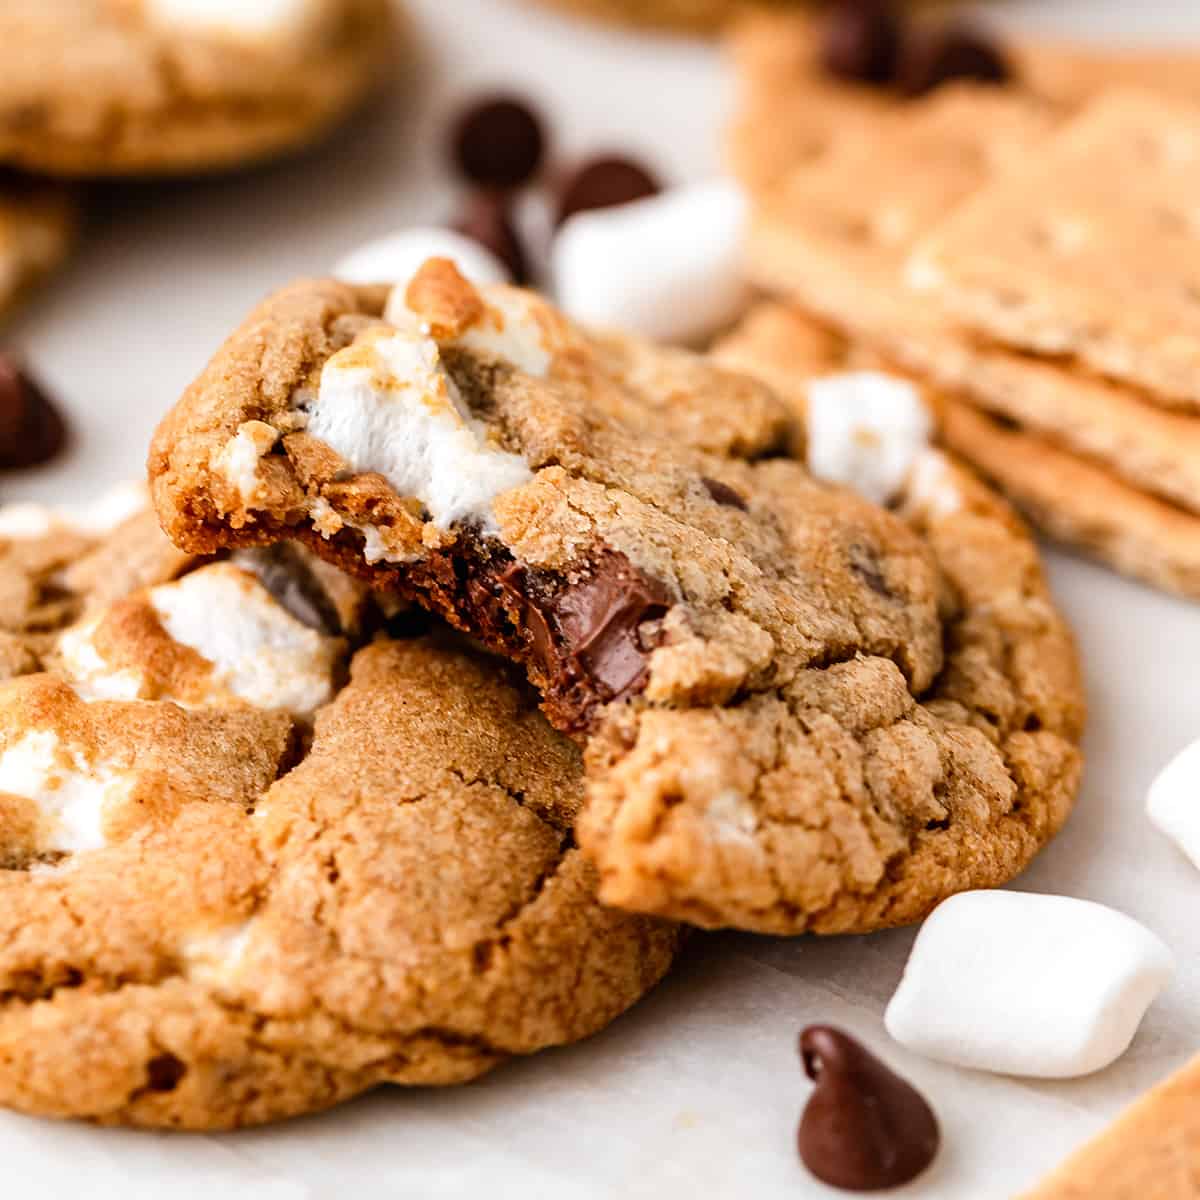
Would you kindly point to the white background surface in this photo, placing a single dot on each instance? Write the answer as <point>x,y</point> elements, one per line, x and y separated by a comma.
<point>696,1093</point>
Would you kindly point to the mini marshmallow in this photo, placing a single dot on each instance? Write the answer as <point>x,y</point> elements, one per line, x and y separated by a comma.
<point>866,431</point>
<point>1173,803</point>
<point>396,258</point>
<point>1024,984</point>
<point>386,404</point>
<point>667,267</point>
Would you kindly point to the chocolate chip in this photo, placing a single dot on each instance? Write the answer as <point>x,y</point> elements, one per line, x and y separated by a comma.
<point>938,56</point>
<point>603,183</point>
<point>286,574</point>
<point>722,493</point>
<point>486,217</point>
<point>865,563</point>
<point>860,40</point>
<point>31,430</point>
<point>864,1128</point>
<point>163,1073</point>
<point>499,143</point>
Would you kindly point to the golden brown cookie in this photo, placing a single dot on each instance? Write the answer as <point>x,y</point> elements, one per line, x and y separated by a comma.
<point>1046,257</point>
<point>210,920</point>
<point>120,87</point>
<point>801,711</point>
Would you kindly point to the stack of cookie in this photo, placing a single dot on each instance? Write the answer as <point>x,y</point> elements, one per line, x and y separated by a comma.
<point>120,88</point>
<point>485,654</point>
<point>1022,247</point>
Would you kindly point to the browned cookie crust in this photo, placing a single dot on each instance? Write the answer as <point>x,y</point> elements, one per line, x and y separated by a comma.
<point>114,87</point>
<point>254,938</point>
<point>801,711</point>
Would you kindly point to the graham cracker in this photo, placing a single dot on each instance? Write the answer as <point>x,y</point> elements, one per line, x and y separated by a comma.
<point>1079,503</point>
<point>1089,250</point>
<point>1151,1152</point>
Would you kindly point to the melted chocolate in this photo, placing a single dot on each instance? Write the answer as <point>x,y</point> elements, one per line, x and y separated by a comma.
<point>581,640</point>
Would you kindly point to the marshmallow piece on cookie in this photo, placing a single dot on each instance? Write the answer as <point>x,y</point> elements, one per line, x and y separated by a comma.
<point>397,258</point>
<point>666,267</point>
<point>1024,984</point>
<point>101,516</point>
<point>1173,803</point>
<point>866,430</point>
<point>386,404</point>
<point>250,648</point>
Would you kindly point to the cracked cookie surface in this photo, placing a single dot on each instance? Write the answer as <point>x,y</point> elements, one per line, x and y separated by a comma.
<point>210,920</point>
<point>104,87</point>
<point>801,711</point>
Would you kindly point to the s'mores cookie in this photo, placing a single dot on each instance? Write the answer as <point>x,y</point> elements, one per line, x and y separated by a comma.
<point>795,704</point>
<point>119,87</point>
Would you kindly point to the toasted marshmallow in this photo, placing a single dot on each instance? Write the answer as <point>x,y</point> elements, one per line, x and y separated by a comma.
<point>92,677</point>
<point>669,266</point>
<point>71,796</point>
<point>1023,984</point>
<point>396,258</point>
<point>866,431</point>
<point>259,652</point>
<point>386,404</point>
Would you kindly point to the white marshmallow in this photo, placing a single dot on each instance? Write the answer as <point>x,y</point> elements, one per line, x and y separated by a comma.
<point>71,797</point>
<point>250,20</point>
<point>865,431</point>
<point>667,267</point>
<point>238,459</point>
<point>397,257</point>
<point>386,404</point>
<point>1025,984</point>
<point>1173,803</point>
<point>259,651</point>
<point>93,677</point>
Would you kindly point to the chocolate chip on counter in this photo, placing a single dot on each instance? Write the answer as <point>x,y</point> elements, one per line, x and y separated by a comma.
<point>722,493</point>
<point>864,1127</point>
<point>937,56</point>
<point>499,143</point>
<point>486,218</point>
<point>603,183</point>
<point>860,39</point>
<point>31,430</point>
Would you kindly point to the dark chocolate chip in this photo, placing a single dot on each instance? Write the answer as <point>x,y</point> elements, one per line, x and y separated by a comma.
<point>860,40</point>
<point>499,143</point>
<point>938,56</point>
<point>31,430</point>
<point>286,574</point>
<point>864,1128</point>
<point>163,1073</point>
<point>603,183</point>
<point>486,217</point>
<point>722,493</point>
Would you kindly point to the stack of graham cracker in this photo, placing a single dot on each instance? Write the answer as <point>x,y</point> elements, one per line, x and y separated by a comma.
<point>1030,251</point>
